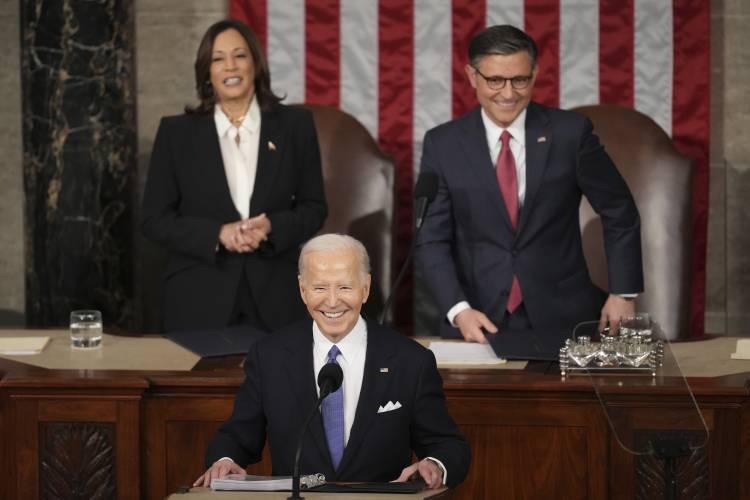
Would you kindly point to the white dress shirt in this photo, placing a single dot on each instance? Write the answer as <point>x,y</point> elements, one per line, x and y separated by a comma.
<point>353,348</point>
<point>240,160</point>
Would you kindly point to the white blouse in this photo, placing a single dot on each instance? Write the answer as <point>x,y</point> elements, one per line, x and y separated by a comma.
<point>240,160</point>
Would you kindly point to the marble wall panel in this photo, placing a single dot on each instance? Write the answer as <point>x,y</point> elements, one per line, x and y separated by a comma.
<point>736,145</point>
<point>738,245</point>
<point>737,81</point>
<point>79,158</point>
<point>168,34</point>
<point>11,171</point>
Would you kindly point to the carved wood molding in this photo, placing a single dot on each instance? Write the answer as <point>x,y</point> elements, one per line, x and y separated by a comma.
<point>693,481</point>
<point>77,460</point>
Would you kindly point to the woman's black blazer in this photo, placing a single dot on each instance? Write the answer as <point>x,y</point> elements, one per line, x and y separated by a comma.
<point>186,201</point>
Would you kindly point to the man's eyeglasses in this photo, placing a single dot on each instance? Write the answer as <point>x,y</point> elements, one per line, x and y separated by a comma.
<point>498,82</point>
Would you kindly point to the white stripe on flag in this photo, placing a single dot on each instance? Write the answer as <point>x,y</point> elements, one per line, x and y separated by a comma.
<point>505,12</point>
<point>286,49</point>
<point>653,60</point>
<point>359,61</point>
<point>579,53</point>
<point>432,69</point>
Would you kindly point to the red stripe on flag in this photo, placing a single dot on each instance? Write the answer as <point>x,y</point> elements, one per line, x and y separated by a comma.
<point>468,20</point>
<point>254,14</point>
<point>395,112</point>
<point>691,131</point>
<point>616,46</point>
<point>542,23</point>
<point>322,71</point>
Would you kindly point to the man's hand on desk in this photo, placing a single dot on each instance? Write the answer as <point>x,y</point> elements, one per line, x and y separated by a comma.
<point>220,468</point>
<point>615,308</point>
<point>470,322</point>
<point>430,472</point>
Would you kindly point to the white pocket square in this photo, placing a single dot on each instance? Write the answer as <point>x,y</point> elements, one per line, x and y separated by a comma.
<point>390,406</point>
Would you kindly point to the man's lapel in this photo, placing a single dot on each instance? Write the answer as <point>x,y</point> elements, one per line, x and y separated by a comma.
<point>302,380</point>
<point>210,163</point>
<point>474,143</point>
<point>377,376</point>
<point>538,140</point>
<point>270,150</point>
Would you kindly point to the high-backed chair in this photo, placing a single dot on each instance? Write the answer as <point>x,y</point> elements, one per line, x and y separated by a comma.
<point>358,181</point>
<point>660,179</point>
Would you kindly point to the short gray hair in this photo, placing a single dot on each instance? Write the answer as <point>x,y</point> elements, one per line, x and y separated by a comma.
<point>334,242</point>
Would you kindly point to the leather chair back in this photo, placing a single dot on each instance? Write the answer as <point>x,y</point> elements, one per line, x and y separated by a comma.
<point>358,181</point>
<point>660,179</point>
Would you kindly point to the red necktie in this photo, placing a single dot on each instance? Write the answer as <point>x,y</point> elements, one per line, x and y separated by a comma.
<point>506,177</point>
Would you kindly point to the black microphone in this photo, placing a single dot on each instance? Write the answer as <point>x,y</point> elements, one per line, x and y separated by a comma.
<point>330,378</point>
<point>424,192</point>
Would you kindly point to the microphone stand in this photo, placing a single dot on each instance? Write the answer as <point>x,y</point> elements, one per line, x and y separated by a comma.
<point>298,454</point>
<point>422,203</point>
<point>328,381</point>
<point>399,279</point>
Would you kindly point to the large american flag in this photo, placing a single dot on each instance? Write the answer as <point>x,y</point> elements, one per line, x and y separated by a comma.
<point>397,66</point>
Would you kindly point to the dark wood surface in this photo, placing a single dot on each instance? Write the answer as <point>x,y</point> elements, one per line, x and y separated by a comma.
<point>532,433</point>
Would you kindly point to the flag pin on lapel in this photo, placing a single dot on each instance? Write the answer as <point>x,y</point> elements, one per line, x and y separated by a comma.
<point>542,139</point>
<point>271,146</point>
<point>384,370</point>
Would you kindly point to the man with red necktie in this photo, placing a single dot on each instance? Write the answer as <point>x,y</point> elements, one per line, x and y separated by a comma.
<point>500,247</point>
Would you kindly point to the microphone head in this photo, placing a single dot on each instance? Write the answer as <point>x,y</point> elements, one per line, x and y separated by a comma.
<point>427,186</point>
<point>330,378</point>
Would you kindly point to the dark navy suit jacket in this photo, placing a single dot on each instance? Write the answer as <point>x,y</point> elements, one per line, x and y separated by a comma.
<point>187,200</point>
<point>468,249</point>
<point>279,391</point>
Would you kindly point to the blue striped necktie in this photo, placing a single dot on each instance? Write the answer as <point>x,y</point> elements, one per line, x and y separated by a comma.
<point>333,417</point>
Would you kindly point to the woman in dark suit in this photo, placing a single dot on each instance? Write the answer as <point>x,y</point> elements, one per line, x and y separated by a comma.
<point>233,189</point>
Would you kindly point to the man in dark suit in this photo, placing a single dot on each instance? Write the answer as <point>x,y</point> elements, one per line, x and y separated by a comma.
<point>501,245</point>
<point>391,402</point>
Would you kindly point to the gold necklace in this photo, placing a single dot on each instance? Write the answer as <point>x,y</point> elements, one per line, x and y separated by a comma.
<point>237,121</point>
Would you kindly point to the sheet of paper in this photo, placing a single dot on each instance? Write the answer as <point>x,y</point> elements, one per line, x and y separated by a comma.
<point>464,353</point>
<point>743,349</point>
<point>19,346</point>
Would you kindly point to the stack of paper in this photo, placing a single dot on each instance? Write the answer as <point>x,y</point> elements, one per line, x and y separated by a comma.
<point>242,482</point>
<point>464,353</point>
<point>743,349</point>
<point>19,346</point>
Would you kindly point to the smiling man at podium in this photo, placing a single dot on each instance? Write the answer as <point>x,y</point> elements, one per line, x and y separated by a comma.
<point>390,405</point>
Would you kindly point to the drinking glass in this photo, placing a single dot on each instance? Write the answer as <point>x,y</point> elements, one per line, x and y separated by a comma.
<point>85,329</point>
<point>637,325</point>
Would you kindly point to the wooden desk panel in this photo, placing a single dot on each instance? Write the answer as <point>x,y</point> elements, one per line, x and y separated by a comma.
<point>81,440</point>
<point>532,434</point>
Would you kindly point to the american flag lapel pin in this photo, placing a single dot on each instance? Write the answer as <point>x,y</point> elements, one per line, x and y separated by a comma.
<point>542,139</point>
<point>271,146</point>
<point>384,370</point>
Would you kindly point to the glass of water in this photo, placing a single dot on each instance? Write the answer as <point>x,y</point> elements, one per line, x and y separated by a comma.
<point>637,325</point>
<point>85,329</point>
